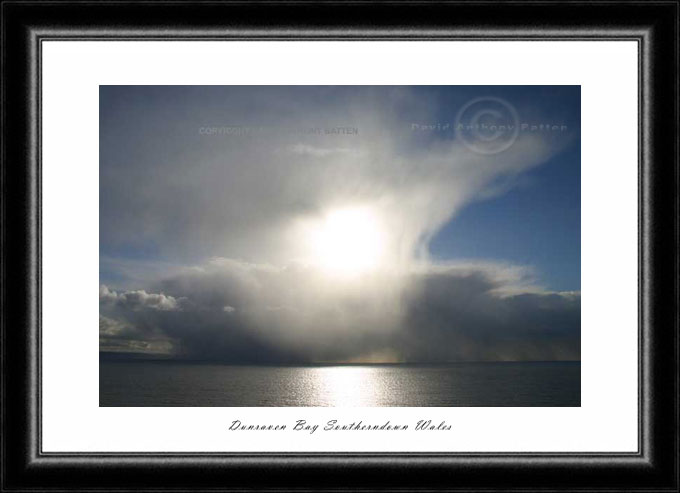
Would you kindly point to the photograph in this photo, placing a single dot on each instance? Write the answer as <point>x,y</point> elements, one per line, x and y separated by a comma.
<point>339,246</point>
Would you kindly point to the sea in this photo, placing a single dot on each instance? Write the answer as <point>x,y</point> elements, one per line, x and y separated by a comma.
<point>184,384</point>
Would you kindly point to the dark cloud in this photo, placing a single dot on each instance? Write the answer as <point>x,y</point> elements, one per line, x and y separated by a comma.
<point>462,317</point>
<point>244,313</point>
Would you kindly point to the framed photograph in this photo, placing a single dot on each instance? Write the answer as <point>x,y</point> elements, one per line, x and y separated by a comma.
<point>340,246</point>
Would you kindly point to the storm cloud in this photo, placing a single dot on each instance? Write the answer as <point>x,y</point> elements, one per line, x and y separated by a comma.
<point>247,313</point>
<point>211,200</point>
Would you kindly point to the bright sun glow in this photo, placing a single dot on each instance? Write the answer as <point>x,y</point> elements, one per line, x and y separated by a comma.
<point>348,242</point>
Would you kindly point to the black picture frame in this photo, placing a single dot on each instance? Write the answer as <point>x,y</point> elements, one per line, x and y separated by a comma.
<point>653,24</point>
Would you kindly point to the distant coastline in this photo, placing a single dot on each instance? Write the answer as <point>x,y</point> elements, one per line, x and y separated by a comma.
<point>112,357</point>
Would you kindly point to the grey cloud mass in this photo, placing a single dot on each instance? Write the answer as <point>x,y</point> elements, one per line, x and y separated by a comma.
<point>242,312</point>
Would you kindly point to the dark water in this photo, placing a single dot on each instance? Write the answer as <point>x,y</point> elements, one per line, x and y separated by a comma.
<point>163,383</point>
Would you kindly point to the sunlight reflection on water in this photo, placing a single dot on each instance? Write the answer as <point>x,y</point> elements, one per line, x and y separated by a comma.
<point>339,386</point>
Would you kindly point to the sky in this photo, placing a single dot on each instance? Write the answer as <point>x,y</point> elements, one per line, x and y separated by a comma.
<point>303,224</point>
